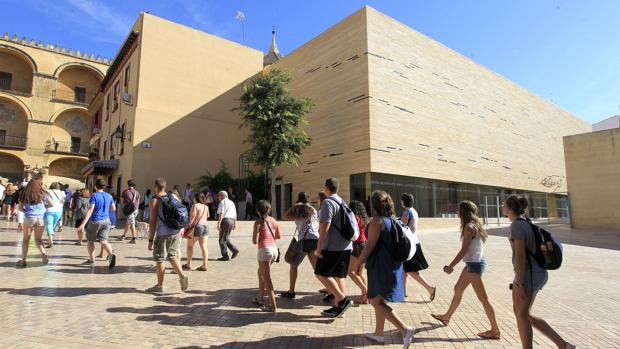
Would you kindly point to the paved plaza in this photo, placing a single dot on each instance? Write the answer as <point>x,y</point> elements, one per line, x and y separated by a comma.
<point>66,304</point>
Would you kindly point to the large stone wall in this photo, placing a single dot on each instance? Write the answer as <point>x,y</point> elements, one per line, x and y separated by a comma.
<point>593,172</point>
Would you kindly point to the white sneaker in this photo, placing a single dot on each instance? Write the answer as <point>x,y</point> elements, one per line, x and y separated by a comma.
<point>408,338</point>
<point>372,336</point>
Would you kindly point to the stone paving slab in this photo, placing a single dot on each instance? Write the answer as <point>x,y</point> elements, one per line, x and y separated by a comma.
<point>68,305</point>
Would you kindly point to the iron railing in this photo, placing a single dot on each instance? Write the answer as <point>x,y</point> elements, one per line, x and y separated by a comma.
<point>67,148</point>
<point>73,96</point>
<point>8,141</point>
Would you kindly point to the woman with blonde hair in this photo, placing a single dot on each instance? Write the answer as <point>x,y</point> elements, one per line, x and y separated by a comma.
<point>473,237</point>
<point>529,276</point>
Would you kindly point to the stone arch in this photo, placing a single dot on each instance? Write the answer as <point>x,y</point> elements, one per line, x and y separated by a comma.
<point>17,102</point>
<point>68,167</point>
<point>17,52</point>
<point>11,167</point>
<point>78,109</point>
<point>64,66</point>
<point>21,67</point>
<point>71,131</point>
<point>13,122</point>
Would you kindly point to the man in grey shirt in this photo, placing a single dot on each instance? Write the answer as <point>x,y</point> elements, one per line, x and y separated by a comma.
<point>333,250</point>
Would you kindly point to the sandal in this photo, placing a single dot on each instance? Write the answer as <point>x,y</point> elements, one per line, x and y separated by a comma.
<point>490,335</point>
<point>201,268</point>
<point>186,267</point>
<point>433,293</point>
<point>269,308</point>
<point>439,318</point>
<point>255,301</point>
<point>363,299</point>
<point>45,259</point>
<point>21,263</point>
<point>323,291</point>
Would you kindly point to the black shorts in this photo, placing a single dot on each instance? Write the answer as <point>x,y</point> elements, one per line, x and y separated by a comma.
<point>309,245</point>
<point>333,264</point>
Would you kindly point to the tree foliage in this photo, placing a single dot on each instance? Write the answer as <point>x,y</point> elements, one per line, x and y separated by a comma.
<point>275,119</point>
<point>218,181</point>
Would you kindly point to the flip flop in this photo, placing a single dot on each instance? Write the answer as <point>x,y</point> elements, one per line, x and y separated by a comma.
<point>201,268</point>
<point>433,294</point>
<point>490,335</point>
<point>444,322</point>
<point>21,263</point>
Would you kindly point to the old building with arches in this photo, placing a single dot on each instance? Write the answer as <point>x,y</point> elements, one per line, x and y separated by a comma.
<point>44,95</point>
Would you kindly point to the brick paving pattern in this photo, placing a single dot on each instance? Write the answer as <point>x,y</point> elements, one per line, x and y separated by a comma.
<point>68,305</point>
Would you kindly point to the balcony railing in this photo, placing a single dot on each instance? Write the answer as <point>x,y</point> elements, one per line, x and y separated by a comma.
<point>67,148</point>
<point>16,142</point>
<point>5,84</point>
<point>73,96</point>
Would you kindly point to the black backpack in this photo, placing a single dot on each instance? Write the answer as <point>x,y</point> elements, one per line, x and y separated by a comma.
<point>548,254</point>
<point>175,214</point>
<point>349,230</point>
<point>402,247</point>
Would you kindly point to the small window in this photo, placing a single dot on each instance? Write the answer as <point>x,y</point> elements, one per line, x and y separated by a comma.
<point>5,80</point>
<point>80,94</point>
<point>117,88</point>
<point>126,83</point>
<point>2,137</point>
<point>122,150</point>
<point>97,119</point>
<point>107,107</point>
<point>105,150</point>
<point>76,142</point>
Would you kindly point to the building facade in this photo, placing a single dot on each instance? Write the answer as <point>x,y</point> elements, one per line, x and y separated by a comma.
<point>165,106</point>
<point>398,111</point>
<point>394,110</point>
<point>592,171</point>
<point>44,120</point>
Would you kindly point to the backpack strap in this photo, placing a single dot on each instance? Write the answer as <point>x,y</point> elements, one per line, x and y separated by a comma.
<point>341,207</point>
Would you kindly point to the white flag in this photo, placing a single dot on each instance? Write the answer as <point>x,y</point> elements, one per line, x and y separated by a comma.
<point>240,16</point>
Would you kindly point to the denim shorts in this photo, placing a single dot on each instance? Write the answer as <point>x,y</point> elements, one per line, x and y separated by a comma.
<point>477,267</point>
<point>201,230</point>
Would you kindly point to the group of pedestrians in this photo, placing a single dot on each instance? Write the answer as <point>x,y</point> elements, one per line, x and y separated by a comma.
<point>321,236</point>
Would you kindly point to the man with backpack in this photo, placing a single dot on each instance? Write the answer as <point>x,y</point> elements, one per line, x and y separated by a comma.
<point>334,248</point>
<point>167,217</point>
<point>131,204</point>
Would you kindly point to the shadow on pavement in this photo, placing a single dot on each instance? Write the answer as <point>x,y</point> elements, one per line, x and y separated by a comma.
<point>607,239</point>
<point>213,309</point>
<point>67,291</point>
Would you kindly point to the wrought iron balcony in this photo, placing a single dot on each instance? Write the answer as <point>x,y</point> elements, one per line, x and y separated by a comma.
<point>67,148</point>
<point>73,96</point>
<point>13,142</point>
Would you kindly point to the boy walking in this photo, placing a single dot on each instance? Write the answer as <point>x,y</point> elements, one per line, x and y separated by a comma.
<point>164,241</point>
<point>98,218</point>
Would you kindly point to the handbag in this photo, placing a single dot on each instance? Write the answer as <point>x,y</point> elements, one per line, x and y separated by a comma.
<point>130,207</point>
<point>295,252</point>
<point>188,233</point>
<point>274,240</point>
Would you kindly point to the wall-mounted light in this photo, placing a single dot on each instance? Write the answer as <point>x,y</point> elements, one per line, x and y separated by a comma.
<point>118,133</point>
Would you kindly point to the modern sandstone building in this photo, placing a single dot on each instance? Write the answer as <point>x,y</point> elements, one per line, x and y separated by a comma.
<point>44,120</point>
<point>400,112</point>
<point>394,110</point>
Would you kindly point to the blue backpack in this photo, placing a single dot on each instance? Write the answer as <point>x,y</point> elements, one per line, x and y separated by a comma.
<point>175,214</point>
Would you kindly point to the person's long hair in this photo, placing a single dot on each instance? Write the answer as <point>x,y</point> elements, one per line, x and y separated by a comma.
<point>468,213</point>
<point>359,210</point>
<point>263,207</point>
<point>304,211</point>
<point>33,194</point>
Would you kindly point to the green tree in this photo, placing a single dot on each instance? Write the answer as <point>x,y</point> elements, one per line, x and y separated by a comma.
<point>275,119</point>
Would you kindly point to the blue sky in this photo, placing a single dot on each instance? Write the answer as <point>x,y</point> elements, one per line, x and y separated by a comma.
<point>567,51</point>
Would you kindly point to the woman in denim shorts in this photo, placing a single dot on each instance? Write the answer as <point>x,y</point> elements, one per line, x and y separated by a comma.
<point>473,237</point>
<point>198,216</point>
<point>529,276</point>
<point>32,203</point>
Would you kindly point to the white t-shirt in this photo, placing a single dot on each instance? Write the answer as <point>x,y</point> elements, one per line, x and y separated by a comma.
<point>227,208</point>
<point>188,195</point>
<point>55,197</point>
<point>2,189</point>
